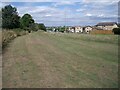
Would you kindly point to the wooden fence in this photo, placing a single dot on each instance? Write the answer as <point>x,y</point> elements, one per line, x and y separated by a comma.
<point>101,32</point>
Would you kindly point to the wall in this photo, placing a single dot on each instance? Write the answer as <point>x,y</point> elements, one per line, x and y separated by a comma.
<point>78,29</point>
<point>101,32</point>
<point>107,27</point>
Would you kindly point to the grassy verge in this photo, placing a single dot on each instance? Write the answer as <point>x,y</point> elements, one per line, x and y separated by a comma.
<point>8,35</point>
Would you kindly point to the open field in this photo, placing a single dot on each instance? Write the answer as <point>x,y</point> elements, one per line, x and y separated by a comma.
<point>51,60</point>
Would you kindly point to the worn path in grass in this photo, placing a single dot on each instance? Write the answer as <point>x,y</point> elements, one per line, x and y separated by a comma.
<point>41,60</point>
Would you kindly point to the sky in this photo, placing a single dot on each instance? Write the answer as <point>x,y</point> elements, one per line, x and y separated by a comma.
<point>67,12</point>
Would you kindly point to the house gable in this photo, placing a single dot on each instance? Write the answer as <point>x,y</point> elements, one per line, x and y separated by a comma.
<point>107,24</point>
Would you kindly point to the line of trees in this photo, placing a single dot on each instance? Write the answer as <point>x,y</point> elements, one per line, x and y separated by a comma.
<point>11,20</point>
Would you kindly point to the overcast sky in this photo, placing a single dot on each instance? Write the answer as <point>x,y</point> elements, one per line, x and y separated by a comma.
<point>68,12</point>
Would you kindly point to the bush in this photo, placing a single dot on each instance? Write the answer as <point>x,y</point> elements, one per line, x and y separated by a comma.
<point>20,32</point>
<point>8,35</point>
<point>116,31</point>
<point>42,27</point>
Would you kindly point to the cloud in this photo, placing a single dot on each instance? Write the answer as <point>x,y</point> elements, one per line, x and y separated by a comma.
<point>27,1</point>
<point>41,0</point>
<point>85,12</point>
<point>100,1</point>
<point>36,10</point>
<point>63,3</point>
<point>2,4</point>
<point>106,8</point>
<point>80,10</point>
<point>88,14</point>
<point>46,14</point>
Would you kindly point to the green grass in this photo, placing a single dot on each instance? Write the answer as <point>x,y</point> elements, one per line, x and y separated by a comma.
<point>61,60</point>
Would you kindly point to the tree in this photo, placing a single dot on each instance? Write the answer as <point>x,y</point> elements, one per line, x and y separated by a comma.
<point>119,25</point>
<point>116,31</point>
<point>42,26</point>
<point>10,18</point>
<point>0,19</point>
<point>61,29</point>
<point>34,27</point>
<point>26,22</point>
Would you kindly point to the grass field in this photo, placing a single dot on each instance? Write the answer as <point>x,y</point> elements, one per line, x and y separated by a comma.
<point>41,60</point>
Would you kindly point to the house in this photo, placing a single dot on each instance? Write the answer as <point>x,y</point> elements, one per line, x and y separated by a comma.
<point>76,29</point>
<point>71,29</point>
<point>106,25</point>
<point>87,29</point>
<point>53,29</point>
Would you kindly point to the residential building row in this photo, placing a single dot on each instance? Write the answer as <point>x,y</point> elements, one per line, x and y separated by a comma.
<point>88,29</point>
<point>99,26</point>
<point>80,29</point>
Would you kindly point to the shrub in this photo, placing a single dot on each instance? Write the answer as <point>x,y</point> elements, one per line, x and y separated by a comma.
<point>20,32</point>
<point>116,31</point>
<point>8,35</point>
<point>42,27</point>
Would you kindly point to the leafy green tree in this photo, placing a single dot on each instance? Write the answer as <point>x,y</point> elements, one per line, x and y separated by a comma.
<point>0,19</point>
<point>26,22</point>
<point>42,27</point>
<point>61,29</point>
<point>116,31</point>
<point>119,25</point>
<point>10,18</point>
<point>34,27</point>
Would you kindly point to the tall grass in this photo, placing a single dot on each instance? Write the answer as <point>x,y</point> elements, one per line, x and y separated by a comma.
<point>8,35</point>
<point>113,39</point>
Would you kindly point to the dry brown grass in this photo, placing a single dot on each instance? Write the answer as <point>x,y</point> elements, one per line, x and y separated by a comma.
<point>8,35</point>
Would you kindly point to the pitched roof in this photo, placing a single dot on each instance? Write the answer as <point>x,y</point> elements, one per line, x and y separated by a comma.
<point>106,24</point>
<point>88,26</point>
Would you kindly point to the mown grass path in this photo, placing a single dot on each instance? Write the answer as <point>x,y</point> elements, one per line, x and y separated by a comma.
<point>41,60</point>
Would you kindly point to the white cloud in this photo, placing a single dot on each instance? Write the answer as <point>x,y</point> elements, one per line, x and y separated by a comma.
<point>36,10</point>
<point>51,15</point>
<point>89,14</point>
<point>80,10</point>
<point>63,3</point>
<point>99,8</point>
<point>48,15</point>
<point>27,1</point>
<point>3,4</point>
<point>100,1</point>
<point>41,0</point>
<point>101,15</point>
